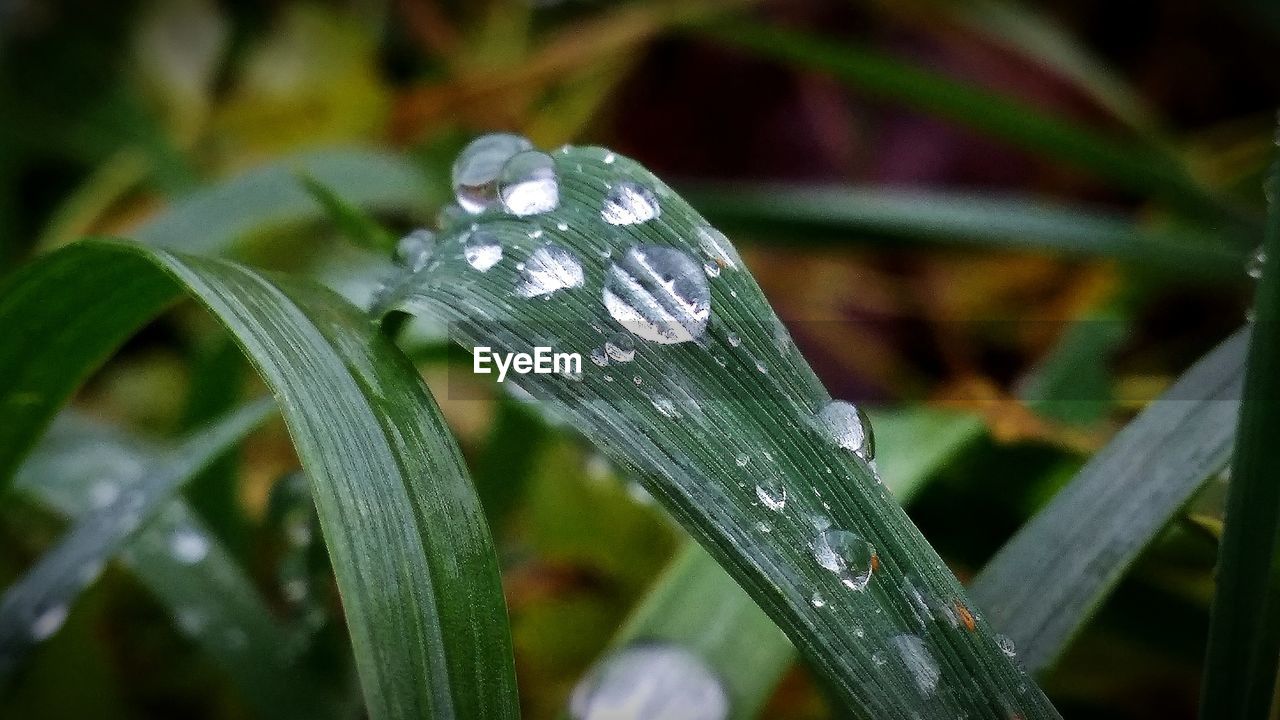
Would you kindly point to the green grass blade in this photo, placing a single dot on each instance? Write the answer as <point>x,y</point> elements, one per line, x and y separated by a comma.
<point>678,421</point>
<point>1127,165</point>
<point>212,601</point>
<point>1013,223</point>
<point>1244,630</point>
<point>271,197</point>
<point>1043,585</point>
<point>46,592</point>
<point>407,537</point>
<point>695,605</point>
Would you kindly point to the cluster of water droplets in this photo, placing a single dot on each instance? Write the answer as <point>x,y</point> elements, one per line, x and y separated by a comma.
<point>650,680</point>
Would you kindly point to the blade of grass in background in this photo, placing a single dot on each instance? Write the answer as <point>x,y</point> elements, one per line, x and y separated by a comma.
<point>710,427</point>
<point>81,463</point>
<point>695,605</point>
<point>980,221</point>
<point>1045,583</point>
<point>1244,630</point>
<point>1128,165</point>
<point>406,535</point>
<point>46,592</point>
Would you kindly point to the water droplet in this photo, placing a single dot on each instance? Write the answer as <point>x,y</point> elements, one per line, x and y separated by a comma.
<point>188,545</point>
<point>599,356</point>
<point>918,661</point>
<point>818,601</point>
<point>711,269</point>
<point>621,347</point>
<point>102,493</point>
<point>847,555</point>
<point>1006,645</point>
<point>482,250</point>
<point>476,171</point>
<point>718,248</point>
<point>548,269</point>
<point>629,203</point>
<point>609,158</point>
<point>528,184</point>
<point>742,459</point>
<point>650,680</point>
<point>733,339</point>
<point>849,427</point>
<point>1255,263</point>
<point>772,495</point>
<point>414,250</point>
<point>659,294</point>
<point>48,622</point>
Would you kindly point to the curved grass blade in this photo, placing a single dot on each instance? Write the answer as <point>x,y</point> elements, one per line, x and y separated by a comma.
<point>410,549</point>
<point>77,466</point>
<point>698,607</point>
<point>1043,585</point>
<point>702,424</point>
<point>1130,166</point>
<point>1013,223</point>
<point>1244,627</point>
<point>39,600</point>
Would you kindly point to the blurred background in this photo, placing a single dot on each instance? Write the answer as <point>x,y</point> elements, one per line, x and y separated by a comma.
<point>1019,219</point>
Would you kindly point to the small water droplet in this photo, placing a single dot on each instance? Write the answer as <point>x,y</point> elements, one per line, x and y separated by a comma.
<point>1255,263</point>
<point>718,248</point>
<point>733,339</point>
<point>609,158</point>
<point>528,184</point>
<point>772,494</point>
<point>549,268</point>
<point>711,269</point>
<point>629,203</point>
<point>919,662</point>
<point>599,356</point>
<point>742,459</point>
<point>482,250</point>
<point>1006,645</point>
<point>847,555</point>
<point>476,170</point>
<point>414,250</point>
<point>849,427</point>
<point>48,622</point>
<point>621,347</point>
<point>188,545</point>
<point>658,293</point>
<point>645,681</point>
<point>818,601</point>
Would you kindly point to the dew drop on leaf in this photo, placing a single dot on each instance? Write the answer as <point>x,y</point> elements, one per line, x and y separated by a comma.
<point>1006,645</point>
<point>629,203</point>
<point>650,680</point>
<point>718,248</point>
<point>818,601</point>
<point>527,184</point>
<point>847,555</point>
<point>772,494</point>
<point>476,170</point>
<point>599,356</point>
<point>548,269</point>
<point>620,347</point>
<point>711,269</point>
<point>414,250</point>
<point>849,427</point>
<point>188,545</point>
<point>659,294</point>
<point>482,250</point>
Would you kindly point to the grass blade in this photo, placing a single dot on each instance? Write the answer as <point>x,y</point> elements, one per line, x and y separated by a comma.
<point>407,537</point>
<point>677,420</point>
<point>1244,630</point>
<point>45,593</point>
<point>1113,508</point>
<point>1014,223</point>
<point>212,602</point>
<point>1133,167</point>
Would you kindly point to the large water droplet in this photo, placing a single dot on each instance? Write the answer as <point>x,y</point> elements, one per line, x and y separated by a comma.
<point>48,622</point>
<point>621,347</point>
<point>476,171</point>
<point>548,269</point>
<point>918,661</point>
<point>659,294</point>
<point>482,250</point>
<point>188,545</point>
<point>849,427</point>
<point>629,203</point>
<point>772,494</point>
<point>528,184</point>
<point>847,555</point>
<point>649,681</point>
<point>414,250</point>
